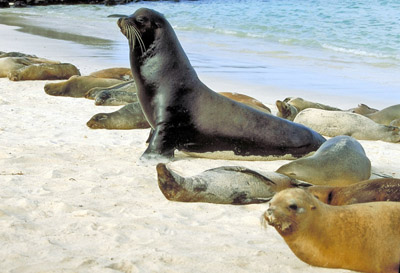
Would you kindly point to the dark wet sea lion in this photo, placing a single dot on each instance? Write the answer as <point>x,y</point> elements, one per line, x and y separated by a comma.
<point>78,86</point>
<point>186,115</point>
<point>383,189</point>
<point>223,185</point>
<point>128,117</point>
<point>361,237</point>
<point>115,98</point>
<point>44,71</point>
<point>340,161</point>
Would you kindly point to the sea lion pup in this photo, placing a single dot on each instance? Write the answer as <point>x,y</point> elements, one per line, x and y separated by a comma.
<point>119,73</point>
<point>335,123</point>
<point>186,115</point>
<point>361,237</point>
<point>290,107</point>
<point>78,86</point>
<point>44,72</point>
<point>249,101</point>
<point>386,115</point>
<point>340,161</point>
<point>223,185</point>
<point>128,86</point>
<point>363,109</point>
<point>382,189</point>
<point>128,117</point>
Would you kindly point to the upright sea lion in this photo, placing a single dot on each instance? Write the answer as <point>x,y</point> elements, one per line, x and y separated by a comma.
<point>335,123</point>
<point>77,86</point>
<point>340,161</point>
<point>383,189</point>
<point>362,237</point>
<point>44,72</point>
<point>386,115</point>
<point>119,73</point>
<point>224,185</point>
<point>186,115</point>
<point>128,117</point>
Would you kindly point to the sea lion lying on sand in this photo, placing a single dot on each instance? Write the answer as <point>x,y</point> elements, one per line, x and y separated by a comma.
<point>383,189</point>
<point>44,72</point>
<point>128,86</point>
<point>224,185</point>
<point>290,107</point>
<point>362,237</point>
<point>10,64</point>
<point>363,109</point>
<point>335,123</point>
<point>340,161</point>
<point>386,116</point>
<point>119,73</point>
<point>186,115</point>
<point>128,117</point>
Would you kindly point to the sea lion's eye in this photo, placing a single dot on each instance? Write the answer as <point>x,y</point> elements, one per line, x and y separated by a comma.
<point>141,20</point>
<point>293,207</point>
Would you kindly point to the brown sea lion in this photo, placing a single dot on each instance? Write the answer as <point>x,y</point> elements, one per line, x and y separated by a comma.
<point>223,185</point>
<point>127,86</point>
<point>44,72</point>
<point>119,73</point>
<point>340,161</point>
<point>386,115</point>
<point>186,115</point>
<point>335,123</point>
<point>383,189</point>
<point>249,101</point>
<point>363,109</point>
<point>77,86</point>
<point>128,117</point>
<point>290,107</point>
<point>11,64</point>
<point>362,237</point>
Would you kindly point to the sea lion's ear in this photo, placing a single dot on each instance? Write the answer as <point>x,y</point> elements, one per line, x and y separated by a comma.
<point>313,207</point>
<point>158,24</point>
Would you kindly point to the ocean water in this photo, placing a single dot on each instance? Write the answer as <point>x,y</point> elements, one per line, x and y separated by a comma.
<point>344,47</point>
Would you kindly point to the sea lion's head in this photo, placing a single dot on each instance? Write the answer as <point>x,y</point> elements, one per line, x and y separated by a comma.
<point>286,110</point>
<point>290,211</point>
<point>143,29</point>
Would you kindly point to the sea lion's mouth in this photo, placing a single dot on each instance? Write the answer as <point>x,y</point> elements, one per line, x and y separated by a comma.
<point>131,33</point>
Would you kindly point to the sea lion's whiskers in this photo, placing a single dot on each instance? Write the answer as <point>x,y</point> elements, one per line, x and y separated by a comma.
<point>141,43</point>
<point>133,33</point>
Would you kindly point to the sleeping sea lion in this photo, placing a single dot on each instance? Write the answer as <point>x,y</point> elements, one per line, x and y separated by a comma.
<point>340,161</point>
<point>186,115</point>
<point>224,185</point>
<point>335,123</point>
<point>44,71</point>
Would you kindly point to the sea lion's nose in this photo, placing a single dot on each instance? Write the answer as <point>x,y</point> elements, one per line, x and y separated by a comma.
<point>270,211</point>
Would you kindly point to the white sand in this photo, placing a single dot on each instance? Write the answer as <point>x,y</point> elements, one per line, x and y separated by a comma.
<point>72,199</point>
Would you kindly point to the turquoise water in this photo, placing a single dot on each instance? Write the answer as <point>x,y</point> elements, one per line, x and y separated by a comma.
<point>336,47</point>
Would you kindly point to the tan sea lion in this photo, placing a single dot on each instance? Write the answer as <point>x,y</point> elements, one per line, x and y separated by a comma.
<point>383,189</point>
<point>128,86</point>
<point>386,115</point>
<point>128,117</point>
<point>44,72</point>
<point>340,161</point>
<point>187,115</point>
<point>77,86</point>
<point>119,73</point>
<point>223,185</point>
<point>11,64</point>
<point>335,123</point>
<point>363,109</point>
<point>290,107</point>
<point>249,101</point>
<point>361,237</point>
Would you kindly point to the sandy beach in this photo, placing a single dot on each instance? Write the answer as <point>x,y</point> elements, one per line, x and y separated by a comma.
<point>73,199</point>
